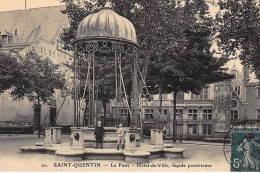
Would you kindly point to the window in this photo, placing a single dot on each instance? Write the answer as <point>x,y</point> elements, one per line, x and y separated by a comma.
<point>194,96</point>
<point>180,96</point>
<point>179,129</point>
<point>123,112</point>
<point>234,114</point>
<point>204,94</point>
<point>207,129</point>
<point>179,114</point>
<point>164,96</point>
<point>236,89</point>
<point>234,104</point>
<point>257,92</point>
<point>148,114</point>
<point>6,38</point>
<point>165,111</point>
<point>193,114</point>
<point>207,114</point>
<point>235,73</point>
<point>204,129</point>
<point>258,114</point>
<point>192,129</point>
<point>210,129</point>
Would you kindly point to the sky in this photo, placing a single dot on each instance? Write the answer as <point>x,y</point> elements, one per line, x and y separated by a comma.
<point>9,5</point>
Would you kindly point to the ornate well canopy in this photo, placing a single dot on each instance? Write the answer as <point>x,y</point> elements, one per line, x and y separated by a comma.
<point>101,35</point>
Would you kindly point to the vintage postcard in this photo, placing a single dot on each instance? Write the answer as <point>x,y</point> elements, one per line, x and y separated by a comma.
<point>115,85</point>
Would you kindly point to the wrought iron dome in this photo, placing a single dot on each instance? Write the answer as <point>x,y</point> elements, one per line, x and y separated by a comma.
<point>106,24</point>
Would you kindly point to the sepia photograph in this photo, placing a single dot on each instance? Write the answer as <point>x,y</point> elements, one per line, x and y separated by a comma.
<point>129,86</point>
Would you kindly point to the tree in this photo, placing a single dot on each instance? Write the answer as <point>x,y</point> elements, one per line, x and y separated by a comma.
<point>8,71</point>
<point>38,78</point>
<point>144,16</point>
<point>167,31</point>
<point>239,28</point>
<point>185,62</point>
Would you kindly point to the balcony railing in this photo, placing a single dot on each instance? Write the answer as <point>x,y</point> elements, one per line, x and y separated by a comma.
<point>179,121</point>
<point>185,102</point>
<point>195,101</point>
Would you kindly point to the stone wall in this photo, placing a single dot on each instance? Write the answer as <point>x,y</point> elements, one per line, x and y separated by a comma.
<point>252,101</point>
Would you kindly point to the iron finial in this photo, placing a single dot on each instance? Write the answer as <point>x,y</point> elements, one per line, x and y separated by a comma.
<point>108,4</point>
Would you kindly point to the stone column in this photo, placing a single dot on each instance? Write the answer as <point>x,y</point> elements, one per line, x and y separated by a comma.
<point>153,136</point>
<point>130,139</point>
<point>77,139</point>
<point>47,138</point>
<point>56,135</point>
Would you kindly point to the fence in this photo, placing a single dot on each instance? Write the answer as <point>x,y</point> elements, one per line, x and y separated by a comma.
<point>187,129</point>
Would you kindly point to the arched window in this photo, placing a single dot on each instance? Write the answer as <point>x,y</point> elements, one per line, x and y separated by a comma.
<point>234,72</point>
<point>237,90</point>
<point>234,104</point>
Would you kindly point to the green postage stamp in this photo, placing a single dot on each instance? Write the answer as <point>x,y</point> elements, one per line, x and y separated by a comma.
<point>245,149</point>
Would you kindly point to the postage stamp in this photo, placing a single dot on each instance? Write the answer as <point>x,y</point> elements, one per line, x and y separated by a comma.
<point>245,149</point>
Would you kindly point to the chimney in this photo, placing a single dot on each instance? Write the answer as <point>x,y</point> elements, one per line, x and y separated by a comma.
<point>246,74</point>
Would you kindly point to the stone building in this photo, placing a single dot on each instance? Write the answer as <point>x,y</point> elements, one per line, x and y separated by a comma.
<point>211,114</point>
<point>194,114</point>
<point>36,29</point>
<point>252,85</point>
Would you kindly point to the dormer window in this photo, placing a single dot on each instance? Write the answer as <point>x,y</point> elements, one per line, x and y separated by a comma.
<point>5,38</point>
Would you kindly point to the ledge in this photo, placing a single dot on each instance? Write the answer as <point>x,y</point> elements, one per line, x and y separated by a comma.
<point>137,153</point>
<point>174,150</point>
<point>70,152</point>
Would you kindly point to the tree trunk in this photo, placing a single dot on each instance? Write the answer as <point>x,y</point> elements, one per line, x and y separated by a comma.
<point>39,119</point>
<point>160,105</point>
<point>174,129</point>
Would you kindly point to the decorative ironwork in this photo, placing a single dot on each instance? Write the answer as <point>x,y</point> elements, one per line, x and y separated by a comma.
<point>94,52</point>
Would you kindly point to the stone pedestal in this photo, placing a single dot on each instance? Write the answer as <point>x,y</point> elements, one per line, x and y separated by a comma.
<point>152,136</point>
<point>160,141</point>
<point>130,139</point>
<point>173,153</point>
<point>77,139</point>
<point>56,135</point>
<point>155,136</point>
<point>137,157</point>
<point>47,138</point>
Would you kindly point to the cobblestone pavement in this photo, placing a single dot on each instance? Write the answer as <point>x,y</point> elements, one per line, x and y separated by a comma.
<point>198,156</point>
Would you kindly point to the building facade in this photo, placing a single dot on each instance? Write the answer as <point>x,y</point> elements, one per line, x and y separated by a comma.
<point>36,29</point>
<point>211,114</point>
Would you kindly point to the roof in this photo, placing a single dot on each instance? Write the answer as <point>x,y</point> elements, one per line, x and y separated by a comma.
<point>6,33</point>
<point>26,26</point>
<point>106,24</point>
<point>234,67</point>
